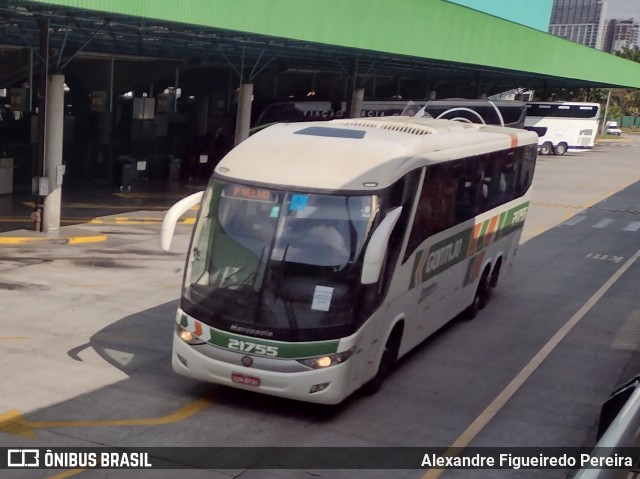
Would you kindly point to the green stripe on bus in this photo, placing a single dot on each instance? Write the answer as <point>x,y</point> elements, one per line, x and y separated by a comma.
<point>454,249</point>
<point>284,350</point>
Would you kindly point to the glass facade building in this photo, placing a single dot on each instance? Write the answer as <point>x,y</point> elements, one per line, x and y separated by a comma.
<point>580,21</point>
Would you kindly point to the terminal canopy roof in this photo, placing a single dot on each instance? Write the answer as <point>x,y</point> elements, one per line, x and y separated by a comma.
<point>440,42</point>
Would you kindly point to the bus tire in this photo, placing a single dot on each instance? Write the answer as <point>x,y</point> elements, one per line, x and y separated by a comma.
<point>561,149</point>
<point>495,274</point>
<point>480,299</point>
<point>546,148</point>
<point>388,359</point>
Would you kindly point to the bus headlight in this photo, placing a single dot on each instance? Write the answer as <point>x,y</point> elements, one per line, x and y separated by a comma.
<point>327,360</point>
<point>187,336</point>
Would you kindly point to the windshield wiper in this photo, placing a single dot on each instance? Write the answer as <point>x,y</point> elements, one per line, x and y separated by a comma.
<point>291,315</point>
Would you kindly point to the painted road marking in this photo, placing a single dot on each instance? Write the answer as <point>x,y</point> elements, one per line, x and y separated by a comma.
<point>603,223</point>
<point>516,383</point>
<point>615,259</point>
<point>10,338</point>
<point>14,423</point>
<point>64,475</point>
<point>106,206</point>
<point>575,220</point>
<point>16,240</point>
<point>633,226</point>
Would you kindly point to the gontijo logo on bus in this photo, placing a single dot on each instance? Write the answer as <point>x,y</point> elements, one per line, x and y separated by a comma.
<point>255,346</point>
<point>450,251</point>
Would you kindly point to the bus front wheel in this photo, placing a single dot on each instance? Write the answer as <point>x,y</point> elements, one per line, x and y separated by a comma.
<point>388,359</point>
<point>561,149</point>
<point>481,297</point>
<point>546,148</point>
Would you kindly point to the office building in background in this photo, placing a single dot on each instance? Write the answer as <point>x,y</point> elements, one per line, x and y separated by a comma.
<point>620,34</point>
<point>580,21</point>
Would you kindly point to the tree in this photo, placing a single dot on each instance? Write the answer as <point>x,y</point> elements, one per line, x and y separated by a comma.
<point>632,53</point>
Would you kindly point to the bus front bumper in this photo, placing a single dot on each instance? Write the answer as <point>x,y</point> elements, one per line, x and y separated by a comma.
<point>324,386</point>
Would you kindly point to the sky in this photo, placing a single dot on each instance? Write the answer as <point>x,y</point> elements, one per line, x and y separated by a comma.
<point>623,9</point>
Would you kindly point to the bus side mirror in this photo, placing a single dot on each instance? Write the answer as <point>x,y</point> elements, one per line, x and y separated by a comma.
<point>377,248</point>
<point>173,215</point>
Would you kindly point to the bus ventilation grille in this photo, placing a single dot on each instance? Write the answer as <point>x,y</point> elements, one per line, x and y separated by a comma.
<point>402,127</point>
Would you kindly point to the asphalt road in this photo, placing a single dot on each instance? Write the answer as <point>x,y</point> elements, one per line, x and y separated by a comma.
<point>85,342</point>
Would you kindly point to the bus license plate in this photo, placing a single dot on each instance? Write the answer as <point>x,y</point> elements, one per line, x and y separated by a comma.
<point>244,379</point>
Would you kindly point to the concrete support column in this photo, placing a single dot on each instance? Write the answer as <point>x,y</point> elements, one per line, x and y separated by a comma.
<point>202,116</point>
<point>243,120</point>
<point>53,158</point>
<point>356,103</point>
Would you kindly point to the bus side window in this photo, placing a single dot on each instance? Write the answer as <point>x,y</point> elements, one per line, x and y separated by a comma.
<point>466,191</point>
<point>526,164</point>
<point>435,211</point>
<point>501,185</point>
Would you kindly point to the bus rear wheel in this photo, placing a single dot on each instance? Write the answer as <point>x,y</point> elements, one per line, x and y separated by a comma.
<point>546,148</point>
<point>561,149</point>
<point>480,299</point>
<point>495,274</point>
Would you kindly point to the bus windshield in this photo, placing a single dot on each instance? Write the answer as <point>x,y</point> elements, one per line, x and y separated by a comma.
<point>277,262</point>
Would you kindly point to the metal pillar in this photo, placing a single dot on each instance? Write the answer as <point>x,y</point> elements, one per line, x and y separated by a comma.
<point>354,110</point>
<point>53,144</point>
<point>111,75</point>
<point>606,112</point>
<point>356,103</point>
<point>42,107</point>
<point>31,88</point>
<point>243,121</point>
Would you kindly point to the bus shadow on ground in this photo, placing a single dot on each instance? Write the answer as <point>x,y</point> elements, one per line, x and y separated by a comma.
<point>140,345</point>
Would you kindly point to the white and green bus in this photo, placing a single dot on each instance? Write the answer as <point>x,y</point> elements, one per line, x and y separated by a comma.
<point>325,251</point>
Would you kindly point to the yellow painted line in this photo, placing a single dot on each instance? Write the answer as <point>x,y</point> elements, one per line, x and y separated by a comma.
<point>64,475</point>
<point>87,239</point>
<point>507,393</point>
<point>11,338</point>
<point>15,240</point>
<point>29,239</point>
<point>25,219</point>
<point>137,221</point>
<point>148,195</point>
<point>120,219</point>
<point>106,206</point>
<point>14,423</point>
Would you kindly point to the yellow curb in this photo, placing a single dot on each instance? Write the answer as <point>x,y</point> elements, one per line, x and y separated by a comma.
<point>136,221</point>
<point>87,239</point>
<point>17,240</point>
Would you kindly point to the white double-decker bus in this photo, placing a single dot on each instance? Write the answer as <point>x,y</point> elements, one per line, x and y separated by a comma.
<point>325,251</point>
<point>563,126</point>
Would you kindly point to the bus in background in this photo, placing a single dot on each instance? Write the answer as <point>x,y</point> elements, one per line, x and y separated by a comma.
<point>325,251</point>
<point>509,113</point>
<point>563,126</point>
<point>294,111</point>
<point>499,112</point>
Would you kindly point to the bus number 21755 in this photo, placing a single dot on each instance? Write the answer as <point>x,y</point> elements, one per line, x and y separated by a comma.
<point>248,347</point>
